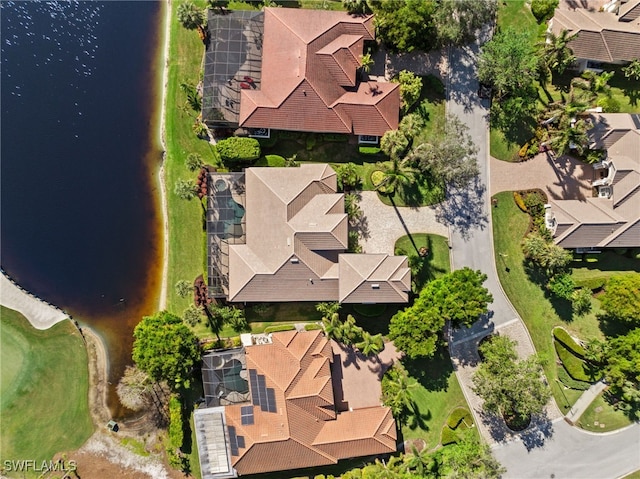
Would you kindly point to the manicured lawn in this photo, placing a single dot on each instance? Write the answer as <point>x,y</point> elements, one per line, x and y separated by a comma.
<point>44,389</point>
<point>435,264</point>
<point>517,14</point>
<point>502,149</point>
<point>608,418</point>
<point>538,311</point>
<point>185,217</point>
<point>604,265</point>
<point>437,393</point>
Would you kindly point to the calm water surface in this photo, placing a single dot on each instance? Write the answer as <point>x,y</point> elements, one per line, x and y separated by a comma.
<point>79,149</point>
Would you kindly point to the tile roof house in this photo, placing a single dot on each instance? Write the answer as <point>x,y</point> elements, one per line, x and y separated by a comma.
<point>294,245</point>
<point>602,36</point>
<point>308,77</point>
<point>611,219</point>
<point>291,421</point>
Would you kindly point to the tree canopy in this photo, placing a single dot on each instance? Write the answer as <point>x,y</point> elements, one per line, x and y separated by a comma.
<point>165,348</point>
<point>405,25</point>
<point>451,157</point>
<point>458,297</point>
<point>622,370</point>
<point>190,16</point>
<point>621,298</point>
<point>458,20</point>
<point>508,63</point>
<point>510,387</point>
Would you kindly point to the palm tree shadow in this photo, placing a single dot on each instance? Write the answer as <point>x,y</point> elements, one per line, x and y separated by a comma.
<point>415,419</point>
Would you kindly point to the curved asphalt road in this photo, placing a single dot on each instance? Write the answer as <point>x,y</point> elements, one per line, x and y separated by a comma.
<point>561,451</point>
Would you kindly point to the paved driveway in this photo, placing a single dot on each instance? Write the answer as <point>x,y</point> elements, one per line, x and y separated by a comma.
<point>382,225</point>
<point>561,178</point>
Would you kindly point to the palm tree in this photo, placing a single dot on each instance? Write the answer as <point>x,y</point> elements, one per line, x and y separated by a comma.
<point>366,62</point>
<point>571,135</point>
<point>556,53</point>
<point>194,161</point>
<point>396,174</point>
<point>333,327</point>
<point>370,344</point>
<point>593,84</point>
<point>396,391</point>
<point>394,143</point>
<point>185,189</point>
<point>350,332</point>
<point>419,462</point>
<point>184,288</point>
<point>192,18</point>
<point>411,125</point>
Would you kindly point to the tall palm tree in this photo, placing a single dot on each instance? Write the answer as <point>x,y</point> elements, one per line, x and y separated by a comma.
<point>192,18</point>
<point>397,173</point>
<point>394,143</point>
<point>411,125</point>
<point>366,62</point>
<point>571,135</point>
<point>593,84</point>
<point>556,53</point>
<point>370,344</point>
<point>333,327</point>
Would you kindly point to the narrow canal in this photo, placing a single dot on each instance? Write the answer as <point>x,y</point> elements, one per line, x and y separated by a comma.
<point>80,150</point>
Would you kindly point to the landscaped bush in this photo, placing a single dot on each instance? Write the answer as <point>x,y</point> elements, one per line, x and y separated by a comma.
<point>312,327</point>
<point>311,141</point>
<point>571,383</point>
<point>236,150</point>
<point>609,104</point>
<point>176,435</point>
<point>591,283</point>
<point>369,150</point>
<point>275,161</point>
<point>575,366</point>
<point>562,286</point>
<point>543,9</point>
<point>568,342</point>
<point>517,197</point>
<point>279,327</point>
<point>448,436</point>
<point>457,416</point>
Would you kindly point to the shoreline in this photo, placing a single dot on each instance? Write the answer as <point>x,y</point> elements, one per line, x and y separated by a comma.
<point>162,301</point>
<point>40,313</point>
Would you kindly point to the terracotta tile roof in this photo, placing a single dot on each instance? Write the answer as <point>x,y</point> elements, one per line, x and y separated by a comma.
<point>296,232</point>
<point>607,222</point>
<point>303,429</point>
<point>629,11</point>
<point>601,36</point>
<point>308,74</point>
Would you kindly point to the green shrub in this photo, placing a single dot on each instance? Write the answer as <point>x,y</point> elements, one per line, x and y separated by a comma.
<point>562,286</point>
<point>369,150</point>
<point>279,327</point>
<point>534,200</point>
<point>571,383</point>
<point>609,104</point>
<point>543,9</point>
<point>236,150</point>
<point>312,327</point>
<point>311,141</point>
<point>348,176</point>
<point>568,342</point>
<point>581,301</point>
<point>448,436</point>
<point>517,197</point>
<point>275,161</point>
<point>576,367</point>
<point>457,416</point>
<point>591,283</point>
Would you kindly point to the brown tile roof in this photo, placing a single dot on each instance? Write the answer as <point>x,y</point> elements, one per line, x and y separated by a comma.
<point>303,430</point>
<point>296,234</point>
<point>601,35</point>
<point>607,222</point>
<point>309,67</point>
<point>629,11</point>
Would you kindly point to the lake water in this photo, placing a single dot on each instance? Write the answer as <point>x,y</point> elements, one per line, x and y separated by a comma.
<point>80,92</point>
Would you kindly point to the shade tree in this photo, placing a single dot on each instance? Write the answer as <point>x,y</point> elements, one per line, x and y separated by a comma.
<point>621,298</point>
<point>165,348</point>
<point>622,371</point>
<point>405,25</point>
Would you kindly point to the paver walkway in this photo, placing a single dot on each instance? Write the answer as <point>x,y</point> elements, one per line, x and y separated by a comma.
<point>584,401</point>
<point>382,225</point>
<point>561,178</point>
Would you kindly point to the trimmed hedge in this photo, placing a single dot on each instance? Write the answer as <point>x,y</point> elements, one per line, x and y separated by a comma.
<point>571,383</point>
<point>275,161</point>
<point>279,327</point>
<point>312,327</point>
<point>369,150</point>
<point>448,436</point>
<point>457,416</point>
<point>517,197</point>
<point>238,150</point>
<point>575,366</point>
<point>591,283</point>
<point>568,342</point>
